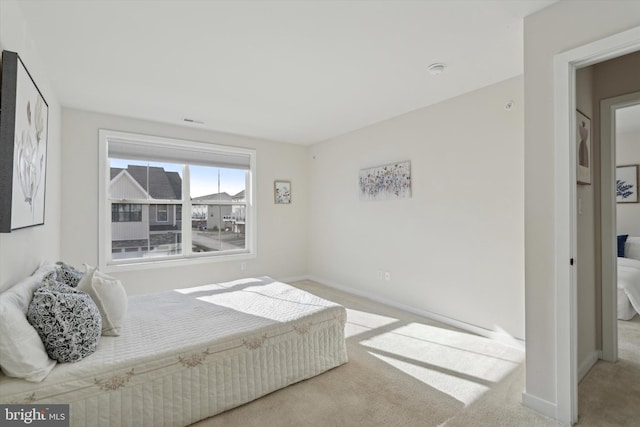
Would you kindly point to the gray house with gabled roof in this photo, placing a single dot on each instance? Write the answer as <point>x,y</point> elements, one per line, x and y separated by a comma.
<point>140,228</point>
<point>158,183</point>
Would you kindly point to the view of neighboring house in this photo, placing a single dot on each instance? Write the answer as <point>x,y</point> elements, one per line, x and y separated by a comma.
<point>155,229</point>
<point>137,229</point>
<point>219,217</point>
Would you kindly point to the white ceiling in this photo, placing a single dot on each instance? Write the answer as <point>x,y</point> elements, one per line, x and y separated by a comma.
<point>292,71</point>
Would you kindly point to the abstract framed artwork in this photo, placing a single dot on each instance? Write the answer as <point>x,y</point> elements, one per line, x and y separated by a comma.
<point>583,148</point>
<point>23,147</point>
<point>282,192</point>
<point>392,181</point>
<point>627,184</point>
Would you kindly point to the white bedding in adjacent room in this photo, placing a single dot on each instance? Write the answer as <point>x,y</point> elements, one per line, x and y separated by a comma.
<point>187,354</point>
<point>628,288</point>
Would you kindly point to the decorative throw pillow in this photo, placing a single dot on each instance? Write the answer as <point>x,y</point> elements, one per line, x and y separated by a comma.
<point>621,241</point>
<point>632,248</point>
<point>67,321</point>
<point>110,297</point>
<point>22,353</point>
<point>68,274</point>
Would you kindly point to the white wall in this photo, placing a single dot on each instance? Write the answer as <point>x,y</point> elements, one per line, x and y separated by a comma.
<point>558,28</point>
<point>628,153</point>
<point>22,250</point>
<point>455,248</point>
<point>282,229</point>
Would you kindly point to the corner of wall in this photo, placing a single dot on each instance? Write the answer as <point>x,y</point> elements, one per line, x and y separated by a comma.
<point>23,250</point>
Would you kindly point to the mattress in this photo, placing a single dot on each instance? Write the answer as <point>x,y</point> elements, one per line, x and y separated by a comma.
<point>628,288</point>
<point>625,309</point>
<point>188,354</point>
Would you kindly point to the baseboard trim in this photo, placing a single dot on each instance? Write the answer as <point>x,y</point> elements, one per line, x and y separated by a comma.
<point>498,336</point>
<point>588,363</point>
<point>539,405</point>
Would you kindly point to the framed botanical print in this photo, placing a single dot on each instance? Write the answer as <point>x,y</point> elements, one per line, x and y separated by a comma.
<point>23,147</point>
<point>627,184</point>
<point>282,192</point>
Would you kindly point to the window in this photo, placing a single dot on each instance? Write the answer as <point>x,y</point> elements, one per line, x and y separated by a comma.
<point>148,182</point>
<point>162,213</point>
<point>124,212</point>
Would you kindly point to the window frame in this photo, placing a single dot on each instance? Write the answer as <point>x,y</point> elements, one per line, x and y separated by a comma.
<point>188,257</point>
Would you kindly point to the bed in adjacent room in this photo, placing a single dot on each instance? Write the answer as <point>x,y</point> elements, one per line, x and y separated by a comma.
<point>629,278</point>
<point>187,354</point>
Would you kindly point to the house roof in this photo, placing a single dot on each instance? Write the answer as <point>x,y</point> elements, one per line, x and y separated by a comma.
<point>221,196</point>
<point>162,184</point>
<point>216,196</point>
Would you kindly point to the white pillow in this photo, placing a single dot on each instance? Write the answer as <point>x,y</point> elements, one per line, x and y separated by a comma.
<point>110,297</point>
<point>632,247</point>
<point>22,354</point>
<point>44,268</point>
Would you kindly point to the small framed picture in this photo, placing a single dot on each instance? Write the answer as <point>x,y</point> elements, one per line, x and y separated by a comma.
<point>583,148</point>
<point>627,184</point>
<point>282,192</point>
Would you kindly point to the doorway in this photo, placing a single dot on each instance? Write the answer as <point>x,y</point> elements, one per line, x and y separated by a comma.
<point>610,110</point>
<point>565,66</point>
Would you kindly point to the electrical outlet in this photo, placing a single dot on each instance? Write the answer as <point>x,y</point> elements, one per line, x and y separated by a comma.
<point>243,266</point>
<point>387,276</point>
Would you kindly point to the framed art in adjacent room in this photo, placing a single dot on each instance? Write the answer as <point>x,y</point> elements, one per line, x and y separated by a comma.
<point>23,147</point>
<point>282,192</point>
<point>627,184</point>
<point>583,148</point>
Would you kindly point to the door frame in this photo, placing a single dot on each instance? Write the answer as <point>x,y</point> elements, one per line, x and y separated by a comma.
<point>608,108</point>
<point>565,66</point>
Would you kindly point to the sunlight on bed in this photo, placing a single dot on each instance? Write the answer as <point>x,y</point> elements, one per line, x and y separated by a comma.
<point>459,364</point>
<point>217,286</point>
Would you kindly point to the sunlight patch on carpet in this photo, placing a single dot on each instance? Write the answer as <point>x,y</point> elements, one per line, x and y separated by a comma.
<point>461,389</point>
<point>362,321</point>
<point>459,364</point>
<point>462,341</point>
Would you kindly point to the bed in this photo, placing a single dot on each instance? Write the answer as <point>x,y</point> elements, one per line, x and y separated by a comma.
<point>628,277</point>
<point>187,354</point>
<point>628,288</point>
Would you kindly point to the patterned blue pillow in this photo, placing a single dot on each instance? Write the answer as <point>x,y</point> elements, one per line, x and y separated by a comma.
<point>66,319</point>
<point>621,241</point>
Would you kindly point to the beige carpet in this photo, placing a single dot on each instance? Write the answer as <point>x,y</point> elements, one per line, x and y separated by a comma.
<point>405,370</point>
<point>609,395</point>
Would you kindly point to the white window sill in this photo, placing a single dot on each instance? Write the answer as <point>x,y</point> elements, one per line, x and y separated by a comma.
<point>152,264</point>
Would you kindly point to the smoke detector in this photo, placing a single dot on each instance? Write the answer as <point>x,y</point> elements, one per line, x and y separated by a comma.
<point>436,68</point>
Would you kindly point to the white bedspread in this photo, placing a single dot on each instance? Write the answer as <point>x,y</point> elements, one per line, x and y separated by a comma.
<point>629,287</point>
<point>207,330</point>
